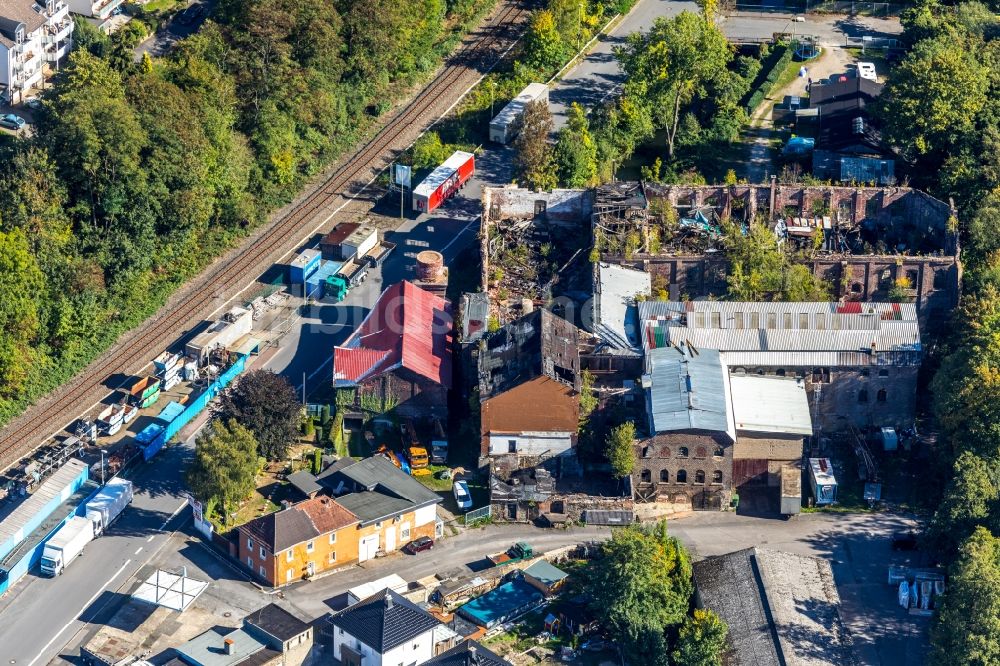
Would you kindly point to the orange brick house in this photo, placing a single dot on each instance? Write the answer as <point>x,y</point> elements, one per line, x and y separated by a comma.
<point>377,508</point>
<point>391,506</point>
<point>299,542</point>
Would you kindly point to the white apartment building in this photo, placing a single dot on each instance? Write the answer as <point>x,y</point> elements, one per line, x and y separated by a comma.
<point>98,11</point>
<point>33,34</point>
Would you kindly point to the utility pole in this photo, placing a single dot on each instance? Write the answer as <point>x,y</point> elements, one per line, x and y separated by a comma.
<point>102,466</point>
<point>303,388</point>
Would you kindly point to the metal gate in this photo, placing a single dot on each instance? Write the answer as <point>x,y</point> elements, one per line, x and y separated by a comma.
<point>707,500</point>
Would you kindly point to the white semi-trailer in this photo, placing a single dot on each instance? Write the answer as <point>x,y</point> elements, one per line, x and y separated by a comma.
<point>108,504</point>
<point>66,544</point>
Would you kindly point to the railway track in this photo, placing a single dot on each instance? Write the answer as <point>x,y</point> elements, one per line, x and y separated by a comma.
<point>133,352</point>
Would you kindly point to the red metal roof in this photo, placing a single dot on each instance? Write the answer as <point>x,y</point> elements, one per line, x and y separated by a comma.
<point>408,327</point>
<point>350,364</point>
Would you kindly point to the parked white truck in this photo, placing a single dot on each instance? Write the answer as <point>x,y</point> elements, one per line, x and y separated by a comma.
<point>69,541</point>
<point>66,544</point>
<point>108,504</point>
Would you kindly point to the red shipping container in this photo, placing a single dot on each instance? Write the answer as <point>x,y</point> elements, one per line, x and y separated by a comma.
<point>444,181</point>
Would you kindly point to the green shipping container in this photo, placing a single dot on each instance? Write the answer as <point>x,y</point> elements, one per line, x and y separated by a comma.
<point>150,399</point>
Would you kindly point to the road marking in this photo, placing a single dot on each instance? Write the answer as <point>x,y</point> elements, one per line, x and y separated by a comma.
<point>151,537</point>
<point>458,235</point>
<point>85,606</point>
<point>178,510</point>
<point>139,550</point>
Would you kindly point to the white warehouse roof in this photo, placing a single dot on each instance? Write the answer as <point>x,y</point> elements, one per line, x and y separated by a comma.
<point>770,405</point>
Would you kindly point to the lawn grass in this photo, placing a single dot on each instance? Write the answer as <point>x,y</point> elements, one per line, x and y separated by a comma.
<point>164,5</point>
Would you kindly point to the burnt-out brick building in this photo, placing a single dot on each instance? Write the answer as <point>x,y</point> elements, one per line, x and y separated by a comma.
<point>400,356</point>
<point>529,387</point>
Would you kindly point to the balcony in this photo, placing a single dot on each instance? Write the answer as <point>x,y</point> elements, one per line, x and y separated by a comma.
<point>59,32</point>
<point>102,8</point>
<point>56,52</point>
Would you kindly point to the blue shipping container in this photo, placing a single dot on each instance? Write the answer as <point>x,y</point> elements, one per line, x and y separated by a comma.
<point>304,265</point>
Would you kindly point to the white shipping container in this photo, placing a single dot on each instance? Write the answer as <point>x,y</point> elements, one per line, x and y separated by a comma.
<point>505,126</point>
<point>822,480</point>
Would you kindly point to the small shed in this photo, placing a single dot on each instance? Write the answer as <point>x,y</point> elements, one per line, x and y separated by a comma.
<point>603,517</point>
<point>545,577</point>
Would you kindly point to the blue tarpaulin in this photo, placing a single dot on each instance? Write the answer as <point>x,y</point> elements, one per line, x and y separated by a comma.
<point>799,145</point>
<point>502,604</point>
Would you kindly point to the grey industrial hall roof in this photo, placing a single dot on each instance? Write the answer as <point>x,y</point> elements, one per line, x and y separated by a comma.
<point>277,622</point>
<point>689,390</point>
<point>815,333</point>
<point>374,488</point>
<point>468,653</point>
<point>384,621</point>
<point>782,609</point>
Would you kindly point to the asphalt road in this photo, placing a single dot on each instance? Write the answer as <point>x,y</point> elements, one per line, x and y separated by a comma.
<point>597,76</point>
<point>857,545</point>
<point>160,42</point>
<point>40,614</point>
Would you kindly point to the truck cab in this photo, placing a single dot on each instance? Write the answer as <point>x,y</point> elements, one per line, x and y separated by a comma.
<point>336,288</point>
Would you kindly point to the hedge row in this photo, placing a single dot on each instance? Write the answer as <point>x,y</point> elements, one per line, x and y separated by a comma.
<point>766,86</point>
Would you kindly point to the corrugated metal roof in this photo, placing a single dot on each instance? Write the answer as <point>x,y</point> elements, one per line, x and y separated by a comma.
<point>770,405</point>
<point>688,391</point>
<point>408,326</point>
<point>615,315</point>
<point>788,334</point>
<point>56,485</point>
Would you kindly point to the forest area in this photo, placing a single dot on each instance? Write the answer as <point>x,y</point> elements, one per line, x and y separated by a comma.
<point>142,172</point>
<point>940,111</point>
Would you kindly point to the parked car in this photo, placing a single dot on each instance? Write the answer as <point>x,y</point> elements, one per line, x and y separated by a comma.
<point>905,541</point>
<point>33,103</point>
<point>462,496</point>
<point>11,121</point>
<point>419,544</point>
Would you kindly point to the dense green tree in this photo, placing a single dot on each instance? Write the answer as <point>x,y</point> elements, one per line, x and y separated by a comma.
<point>760,268</point>
<point>701,640</point>
<point>967,502</point>
<point>535,162</point>
<point>967,385</point>
<point>672,64</point>
<point>640,585</point>
<point>966,630</point>
<point>935,94</point>
<point>619,448</point>
<point>21,287</point>
<point>576,151</point>
<point>543,44</point>
<point>265,403</point>
<point>224,468</point>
